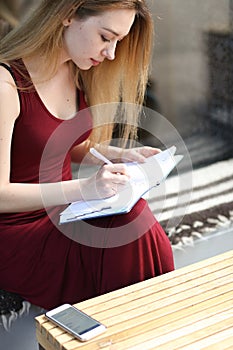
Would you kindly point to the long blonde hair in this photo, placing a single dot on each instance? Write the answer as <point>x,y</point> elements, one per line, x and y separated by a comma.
<point>116,83</point>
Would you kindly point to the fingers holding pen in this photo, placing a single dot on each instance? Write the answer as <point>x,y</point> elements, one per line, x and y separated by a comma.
<point>108,181</point>
<point>111,178</point>
<point>117,173</point>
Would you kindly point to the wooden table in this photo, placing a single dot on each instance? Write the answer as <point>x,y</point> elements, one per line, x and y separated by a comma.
<point>190,308</point>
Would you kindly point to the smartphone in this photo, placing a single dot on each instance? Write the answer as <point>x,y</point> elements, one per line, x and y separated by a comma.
<point>76,322</point>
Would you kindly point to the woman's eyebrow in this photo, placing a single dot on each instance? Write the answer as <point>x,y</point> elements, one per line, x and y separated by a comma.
<point>111,31</point>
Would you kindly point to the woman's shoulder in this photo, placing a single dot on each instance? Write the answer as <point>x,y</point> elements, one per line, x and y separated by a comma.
<point>6,74</point>
<point>8,90</point>
<point>6,77</point>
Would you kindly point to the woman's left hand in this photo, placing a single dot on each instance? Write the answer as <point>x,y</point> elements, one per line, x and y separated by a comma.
<point>138,154</point>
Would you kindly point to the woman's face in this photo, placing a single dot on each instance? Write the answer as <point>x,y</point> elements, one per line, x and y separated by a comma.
<point>88,42</point>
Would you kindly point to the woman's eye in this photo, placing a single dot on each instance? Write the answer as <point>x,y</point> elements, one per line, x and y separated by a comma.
<point>104,39</point>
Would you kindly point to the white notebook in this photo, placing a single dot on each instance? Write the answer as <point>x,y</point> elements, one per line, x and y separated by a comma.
<point>143,177</point>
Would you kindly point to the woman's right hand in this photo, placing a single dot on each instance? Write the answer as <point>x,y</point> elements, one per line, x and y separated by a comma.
<point>110,179</point>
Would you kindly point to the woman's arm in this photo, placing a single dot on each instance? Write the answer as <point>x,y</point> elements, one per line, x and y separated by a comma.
<point>18,197</point>
<point>138,154</point>
<point>78,153</point>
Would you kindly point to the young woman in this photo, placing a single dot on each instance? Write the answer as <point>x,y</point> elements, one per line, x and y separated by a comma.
<point>68,55</point>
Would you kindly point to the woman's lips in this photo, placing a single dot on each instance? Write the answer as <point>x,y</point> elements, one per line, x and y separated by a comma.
<point>94,62</point>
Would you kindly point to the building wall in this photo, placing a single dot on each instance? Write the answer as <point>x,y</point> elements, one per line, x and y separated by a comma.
<point>179,65</point>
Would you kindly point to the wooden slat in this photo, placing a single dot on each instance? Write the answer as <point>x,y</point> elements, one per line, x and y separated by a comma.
<point>66,339</point>
<point>44,342</point>
<point>165,305</point>
<point>145,325</point>
<point>219,341</point>
<point>180,300</point>
<point>163,298</point>
<point>195,331</point>
<point>159,330</point>
<point>224,341</point>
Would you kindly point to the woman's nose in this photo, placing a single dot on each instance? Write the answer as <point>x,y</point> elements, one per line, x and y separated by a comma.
<point>109,51</point>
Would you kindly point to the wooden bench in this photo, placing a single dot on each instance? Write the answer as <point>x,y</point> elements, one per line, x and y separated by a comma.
<point>190,308</point>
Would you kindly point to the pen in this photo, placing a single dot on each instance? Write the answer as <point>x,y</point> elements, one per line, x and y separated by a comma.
<point>99,156</point>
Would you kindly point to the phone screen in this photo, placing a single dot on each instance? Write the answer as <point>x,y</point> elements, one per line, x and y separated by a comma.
<point>75,320</point>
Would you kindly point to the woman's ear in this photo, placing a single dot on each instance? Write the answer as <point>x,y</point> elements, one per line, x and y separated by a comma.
<point>67,22</point>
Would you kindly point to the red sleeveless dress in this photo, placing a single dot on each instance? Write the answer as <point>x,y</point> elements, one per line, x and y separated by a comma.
<point>48,264</point>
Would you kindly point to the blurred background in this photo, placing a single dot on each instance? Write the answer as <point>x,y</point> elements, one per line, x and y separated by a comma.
<point>192,75</point>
